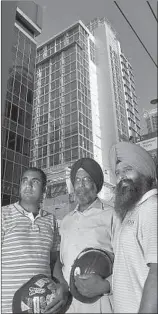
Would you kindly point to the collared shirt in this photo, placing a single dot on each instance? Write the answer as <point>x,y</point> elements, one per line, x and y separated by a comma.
<point>135,247</point>
<point>80,230</point>
<point>26,246</point>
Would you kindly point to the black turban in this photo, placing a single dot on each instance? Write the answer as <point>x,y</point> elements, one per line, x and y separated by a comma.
<point>92,168</point>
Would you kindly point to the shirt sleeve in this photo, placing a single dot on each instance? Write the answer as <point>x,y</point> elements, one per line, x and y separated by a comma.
<point>149,231</point>
<point>56,236</point>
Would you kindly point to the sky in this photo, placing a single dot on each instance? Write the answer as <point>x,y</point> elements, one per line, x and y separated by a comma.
<point>60,14</point>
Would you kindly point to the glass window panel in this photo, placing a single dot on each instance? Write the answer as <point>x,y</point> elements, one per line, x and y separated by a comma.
<point>67,108</point>
<point>56,146</point>
<point>52,137</point>
<point>57,135</point>
<point>11,140</point>
<point>45,151</point>
<point>51,148</point>
<point>67,143</point>
<point>67,98</point>
<point>67,120</point>
<point>26,147</point>
<point>14,113</point>
<point>23,92</point>
<point>10,83</point>
<point>40,152</point>
<point>7,108</point>
<point>75,153</point>
<point>16,89</point>
<point>51,160</point>
<point>44,163</point>
<point>28,120</point>
<point>56,159</point>
<point>75,140</point>
<point>74,117</point>
<point>9,171</point>
<point>19,143</point>
<point>67,155</point>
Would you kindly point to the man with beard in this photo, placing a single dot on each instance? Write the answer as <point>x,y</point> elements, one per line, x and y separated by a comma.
<point>89,225</point>
<point>135,242</point>
<point>29,235</point>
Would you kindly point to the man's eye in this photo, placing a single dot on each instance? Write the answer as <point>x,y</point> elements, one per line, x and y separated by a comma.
<point>24,180</point>
<point>36,181</point>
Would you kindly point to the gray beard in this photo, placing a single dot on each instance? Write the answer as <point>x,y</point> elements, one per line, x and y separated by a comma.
<point>127,196</point>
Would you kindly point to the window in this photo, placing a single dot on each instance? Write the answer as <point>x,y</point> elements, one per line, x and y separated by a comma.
<point>14,113</point>
<point>74,117</point>
<point>75,140</point>
<point>23,92</point>
<point>67,143</point>
<point>19,142</point>
<point>28,120</point>
<point>7,108</point>
<point>67,120</point>
<point>45,151</point>
<point>11,140</point>
<point>74,128</point>
<point>16,89</point>
<point>74,106</point>
<point>67,155</point>
<point>56,159</point>
<point>30,96</point>
<point>3,168</point>
<point>26,148</point>
<point>16,173</point>
<point>9,171</point>
<point>74,153</point>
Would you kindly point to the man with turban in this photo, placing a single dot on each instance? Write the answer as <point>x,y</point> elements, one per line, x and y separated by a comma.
<point>88,225</point>
<point>135,242</point>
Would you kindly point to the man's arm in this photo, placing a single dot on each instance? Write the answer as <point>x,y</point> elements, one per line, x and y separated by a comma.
<point>57,272</point>
<point>149,297</point>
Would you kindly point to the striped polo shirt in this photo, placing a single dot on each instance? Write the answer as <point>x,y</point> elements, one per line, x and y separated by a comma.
<point>26,246</point>
<point>135,246</point>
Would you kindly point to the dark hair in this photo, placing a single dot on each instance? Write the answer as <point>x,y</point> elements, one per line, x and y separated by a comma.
<point>43,175</point>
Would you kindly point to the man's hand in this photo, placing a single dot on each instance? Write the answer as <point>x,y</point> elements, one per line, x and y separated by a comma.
<point>60,300</point>
<point>91,285</point>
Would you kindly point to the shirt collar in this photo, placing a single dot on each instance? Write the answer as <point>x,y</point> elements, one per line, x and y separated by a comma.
<point>96,204</point>
<point>147,195</point>
<point>41,213</point>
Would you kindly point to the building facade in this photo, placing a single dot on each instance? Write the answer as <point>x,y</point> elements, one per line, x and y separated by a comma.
<point>16,125</point>
<point>81,102</point>
<point>151,118</point>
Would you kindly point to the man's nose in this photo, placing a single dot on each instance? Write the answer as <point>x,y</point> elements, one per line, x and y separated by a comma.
<point>121,176</point>
<point>29,183</point>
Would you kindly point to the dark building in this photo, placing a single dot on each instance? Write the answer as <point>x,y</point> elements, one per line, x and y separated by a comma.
<point>16,125</point>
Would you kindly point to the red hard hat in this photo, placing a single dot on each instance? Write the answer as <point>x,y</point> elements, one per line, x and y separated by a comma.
<point>90,261</point>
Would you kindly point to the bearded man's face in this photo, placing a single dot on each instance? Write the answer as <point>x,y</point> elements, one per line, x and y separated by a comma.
<point>130,188</point>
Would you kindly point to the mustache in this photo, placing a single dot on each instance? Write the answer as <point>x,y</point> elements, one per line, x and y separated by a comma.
<point>124,185</point>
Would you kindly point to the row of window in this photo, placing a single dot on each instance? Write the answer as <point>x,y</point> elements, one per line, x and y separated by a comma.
<point>18,115</point>
<point>20,90</point>
<point>15,142</point>
<point>24,44</point>
<point>27,80</point>
<point>11,171</point>
<point>15,156</point>
<point>67,156</point>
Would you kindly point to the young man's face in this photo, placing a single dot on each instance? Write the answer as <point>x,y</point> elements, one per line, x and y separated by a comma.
<point>84,187</point>
<point>31,187</point>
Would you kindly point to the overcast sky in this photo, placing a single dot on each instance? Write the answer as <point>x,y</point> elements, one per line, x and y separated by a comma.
<point>60,14</point>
